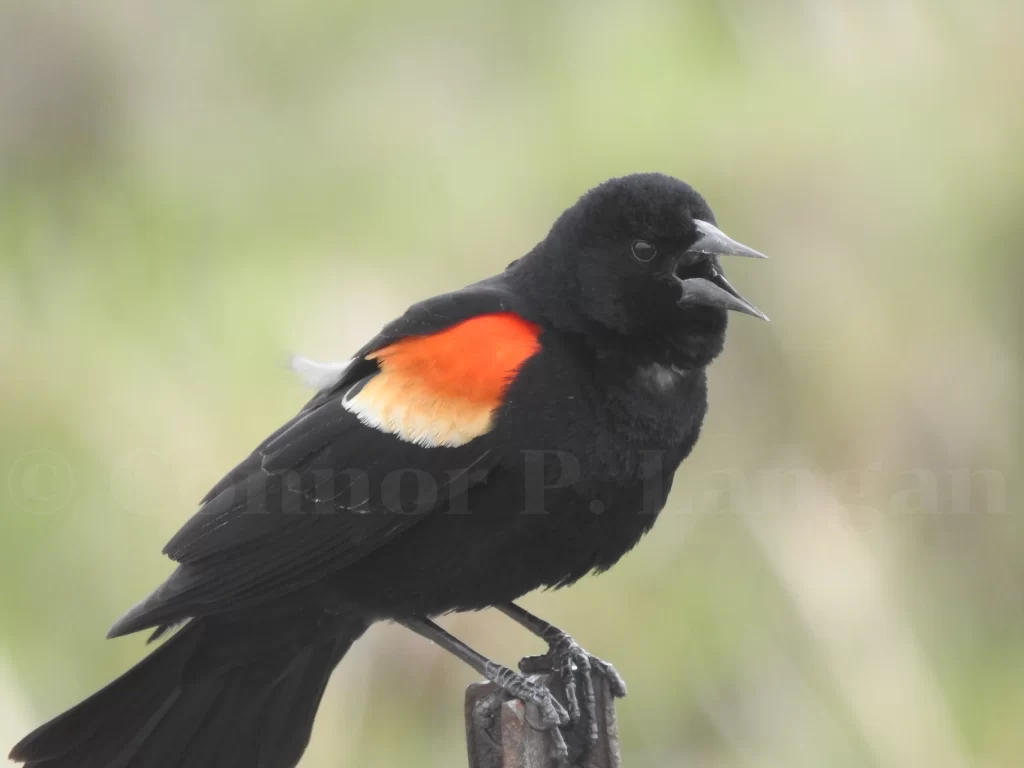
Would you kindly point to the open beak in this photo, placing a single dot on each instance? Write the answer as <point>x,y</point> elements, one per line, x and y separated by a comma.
<point>701,279</point>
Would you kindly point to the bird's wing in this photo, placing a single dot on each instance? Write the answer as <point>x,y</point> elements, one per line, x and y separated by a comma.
<point>394,438</point>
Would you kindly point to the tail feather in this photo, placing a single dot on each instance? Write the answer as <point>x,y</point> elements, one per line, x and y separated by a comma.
<point>218,741</point>
<point>195,703</point>
<point>126,703</point>
<point>286,738</point>
<point>165,747</point>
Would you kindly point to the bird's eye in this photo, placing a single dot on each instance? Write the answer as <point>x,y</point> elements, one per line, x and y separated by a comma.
<point>643,251</point>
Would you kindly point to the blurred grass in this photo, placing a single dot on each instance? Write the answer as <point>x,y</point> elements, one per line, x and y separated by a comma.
<point>190,191</point>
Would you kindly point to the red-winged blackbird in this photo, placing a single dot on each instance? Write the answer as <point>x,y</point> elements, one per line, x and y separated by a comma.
<point>515,434</point>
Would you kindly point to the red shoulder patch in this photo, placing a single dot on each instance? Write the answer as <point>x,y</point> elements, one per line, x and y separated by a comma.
<point>443,389</point>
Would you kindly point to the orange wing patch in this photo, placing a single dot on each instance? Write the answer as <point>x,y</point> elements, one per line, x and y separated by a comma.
<point>444,389</point>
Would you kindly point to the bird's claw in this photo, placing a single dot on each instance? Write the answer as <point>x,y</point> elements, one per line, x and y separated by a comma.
<point>552,714</point>
<point>552,717</point>
<point>615,682</point>
<point>568,659</point>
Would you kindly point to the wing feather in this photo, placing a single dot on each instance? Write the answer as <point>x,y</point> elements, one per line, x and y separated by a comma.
<point>320,493</point>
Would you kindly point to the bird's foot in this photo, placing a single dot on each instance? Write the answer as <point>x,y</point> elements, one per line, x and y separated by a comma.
<point>552,714</point>
<point>567,658</point>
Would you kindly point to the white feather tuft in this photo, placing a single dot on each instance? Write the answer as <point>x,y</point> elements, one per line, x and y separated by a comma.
<point>318,375</point>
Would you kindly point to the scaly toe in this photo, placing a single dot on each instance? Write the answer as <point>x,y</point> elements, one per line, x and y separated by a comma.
<point>530,665</point>
<point>609,673</point>
<point>552,713</point>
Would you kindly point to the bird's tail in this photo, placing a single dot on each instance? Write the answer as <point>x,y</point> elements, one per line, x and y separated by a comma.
<point>230,693</point>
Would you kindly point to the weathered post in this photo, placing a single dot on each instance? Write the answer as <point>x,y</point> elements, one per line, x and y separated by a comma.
<point>502,732</point>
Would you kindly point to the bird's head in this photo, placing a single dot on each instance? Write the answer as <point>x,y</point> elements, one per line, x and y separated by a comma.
<point>638,257</point>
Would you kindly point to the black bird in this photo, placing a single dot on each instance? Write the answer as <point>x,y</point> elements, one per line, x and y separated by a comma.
<point>515,434</point>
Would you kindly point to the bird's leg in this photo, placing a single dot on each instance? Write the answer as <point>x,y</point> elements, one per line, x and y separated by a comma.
<point>552,713</point>
<point>566,657</point>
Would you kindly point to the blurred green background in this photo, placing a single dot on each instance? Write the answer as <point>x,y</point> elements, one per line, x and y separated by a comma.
<point>189,191</point>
